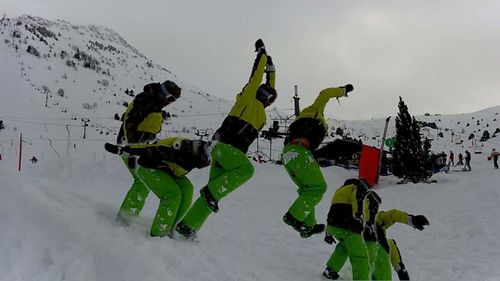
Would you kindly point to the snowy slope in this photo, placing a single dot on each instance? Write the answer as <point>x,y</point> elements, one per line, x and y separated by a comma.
<point>58,224</point>
<point>455,130</point>
<point>93,68</point>
<point>58,215</point>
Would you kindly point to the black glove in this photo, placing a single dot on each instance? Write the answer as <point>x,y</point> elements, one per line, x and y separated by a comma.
<point>329,239</point>
<point>357,225</point>
<point>269,65</point>
<point>113,148</point>
<point>418,221</point>
<point>259,46</point>
<point>120,150</point>
<point>269,60</point>
<point>347,88</point>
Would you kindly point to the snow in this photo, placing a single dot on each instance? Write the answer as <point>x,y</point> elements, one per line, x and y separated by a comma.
<point>59,224</point>
<point>58,215</point>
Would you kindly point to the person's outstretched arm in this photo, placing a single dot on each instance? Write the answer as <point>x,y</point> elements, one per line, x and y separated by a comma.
<point>257,74</point>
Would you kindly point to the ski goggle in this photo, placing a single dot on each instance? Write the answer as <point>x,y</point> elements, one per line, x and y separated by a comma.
<point>168,95</point>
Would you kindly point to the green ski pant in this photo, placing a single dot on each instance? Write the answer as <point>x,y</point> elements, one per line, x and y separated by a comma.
<point>230,168</point>
<point>350,245</point>
<point>382,269</point>
<point>136,196</point>
<point>306,174</point>
<point>175,194</point>
<point>371,249</point>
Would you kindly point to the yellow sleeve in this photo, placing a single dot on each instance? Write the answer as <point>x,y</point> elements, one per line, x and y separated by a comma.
<point>394,253</point>
<point>368,216</point>
<point>253,84</point>
<point>388,218</point>
<point>324,96</point>
<point>271,79</point>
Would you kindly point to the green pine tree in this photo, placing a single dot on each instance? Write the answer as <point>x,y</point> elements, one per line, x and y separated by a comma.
<point>410,155</point>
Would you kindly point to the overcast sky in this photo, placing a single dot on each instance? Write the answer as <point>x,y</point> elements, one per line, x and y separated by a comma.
<point>440,56</point>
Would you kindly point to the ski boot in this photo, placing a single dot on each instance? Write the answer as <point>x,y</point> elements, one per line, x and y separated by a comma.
<point>291,221</point>
<point>310,231</point>
<point>330,274</point>
<point>304,230</point>
<point>186,231</point>
<point>212,203</point>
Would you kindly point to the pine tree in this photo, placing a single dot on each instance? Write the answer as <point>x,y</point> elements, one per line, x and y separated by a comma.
<point>410,155</point>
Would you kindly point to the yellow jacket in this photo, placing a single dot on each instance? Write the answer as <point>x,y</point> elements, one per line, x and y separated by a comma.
<point>316,110</point>
<point>384,220</point>
<point>151,123</point>
<point>347,205</point>
<point>246,107</point>
<point>247,116</point>
<point>142,120</point>
<point>311,123</point>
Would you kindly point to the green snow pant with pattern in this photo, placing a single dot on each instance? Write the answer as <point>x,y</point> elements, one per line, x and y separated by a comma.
<point>136,197</point>
<point>382,269</point>
<point>175,194</point>
<point>230,168</point>
<point>371,249</point>
<point>350,245</point>
<point>306,174</point>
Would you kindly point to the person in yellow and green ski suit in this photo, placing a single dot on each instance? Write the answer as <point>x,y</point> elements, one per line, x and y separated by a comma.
<point>162,169</point>
<point>383,252</point>
<point>230,166</point>
<point>345,223</point>
<point>140,123</point>
<point>370,209</point>
<point>305,134</point>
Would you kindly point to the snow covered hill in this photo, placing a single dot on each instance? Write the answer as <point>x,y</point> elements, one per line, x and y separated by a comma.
<point>55,74</point>
<point>58,215</point>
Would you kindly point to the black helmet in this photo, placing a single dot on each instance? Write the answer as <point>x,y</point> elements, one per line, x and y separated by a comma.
<point>266,95</point>
<point>167,92</point>
<point>170,90</point>
<point>362,185</point>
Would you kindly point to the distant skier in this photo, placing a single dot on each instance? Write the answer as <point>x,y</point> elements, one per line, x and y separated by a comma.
<point>467,161</point>
<point>494,155</point>
<point>230,166</point>
<point>305,135</point>
<point>383,252</point>
<point>163,169</point>
<point>345,223</point>
<point>460,159</point>
<point>141,122</point>
<point>451,163</point>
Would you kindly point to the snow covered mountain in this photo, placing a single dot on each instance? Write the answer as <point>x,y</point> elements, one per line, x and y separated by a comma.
<point>58,216</point>
<point>56,75</point>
